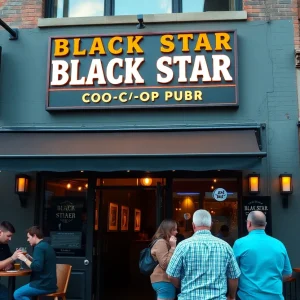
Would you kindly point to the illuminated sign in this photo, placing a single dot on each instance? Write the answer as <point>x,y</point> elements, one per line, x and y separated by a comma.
<point>178,69</point>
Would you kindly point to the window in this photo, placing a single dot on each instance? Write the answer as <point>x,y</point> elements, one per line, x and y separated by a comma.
<point>208,5</point>
<point>135,7</point>
<point>78,8</point>
<point>89,8</point>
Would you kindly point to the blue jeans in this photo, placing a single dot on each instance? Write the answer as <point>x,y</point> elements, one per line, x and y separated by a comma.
<point>164,290</point>
<point>26,291</point>
<point>3,292</point>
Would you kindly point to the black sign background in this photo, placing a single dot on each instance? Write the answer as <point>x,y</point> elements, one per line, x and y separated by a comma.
<point>262,203</point>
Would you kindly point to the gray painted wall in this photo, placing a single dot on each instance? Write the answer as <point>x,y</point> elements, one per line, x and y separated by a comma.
<point>267,95</point>
<point>11,210</point>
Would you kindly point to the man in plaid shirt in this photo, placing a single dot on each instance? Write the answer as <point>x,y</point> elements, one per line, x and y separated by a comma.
<point>204,266</point>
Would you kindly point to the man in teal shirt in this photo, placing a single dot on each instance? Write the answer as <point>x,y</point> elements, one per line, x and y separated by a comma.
<point>263,261</point>
<point>43,265</point>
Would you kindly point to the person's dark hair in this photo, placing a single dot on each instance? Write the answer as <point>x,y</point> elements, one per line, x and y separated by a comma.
<point>6,226</point>
<point>36,230</point>
<point>164,230</point>
<point>224,228</point>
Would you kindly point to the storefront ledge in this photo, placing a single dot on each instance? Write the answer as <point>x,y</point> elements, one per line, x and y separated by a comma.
<point>148,19</point>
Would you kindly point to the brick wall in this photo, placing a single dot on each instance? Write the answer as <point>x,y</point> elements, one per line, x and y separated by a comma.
<point>269,10</point>
<point>21,13</point>
<point>25,13</point>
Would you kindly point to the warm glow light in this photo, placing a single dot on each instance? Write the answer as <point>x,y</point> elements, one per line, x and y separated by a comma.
<point>86,185</point>
<point>79,188</point>
<point>286,183</point>
<point>146,181</point>
<point>68,185</point>
<point>253,183</point>
<point>215,180</point>
<point>21,185</point>
<point>212,187</point>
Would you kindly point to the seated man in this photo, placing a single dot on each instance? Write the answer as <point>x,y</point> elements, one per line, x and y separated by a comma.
<point>43,265</point>
<point>6,259</point>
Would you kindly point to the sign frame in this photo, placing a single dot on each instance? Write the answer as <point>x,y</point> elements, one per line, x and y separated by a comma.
<point>235,104</point>
<point>254,201</point>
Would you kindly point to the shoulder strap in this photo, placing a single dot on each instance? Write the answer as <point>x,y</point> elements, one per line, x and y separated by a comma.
<point>154,242</point>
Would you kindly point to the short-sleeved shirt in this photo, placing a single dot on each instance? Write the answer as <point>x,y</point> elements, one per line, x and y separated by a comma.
<point>203,263</point>
<point>4,252</point>
<point>263,261</point>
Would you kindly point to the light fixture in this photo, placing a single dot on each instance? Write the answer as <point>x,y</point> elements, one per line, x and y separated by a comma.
<point>286,188</point>
<point>69,186</point>
<point>86,185</point>
<point>22,188</point>
<point>254,183</point>
<point>146,181</point>
<point>215,180</point>
<point>79,188</point>
<point>141,24</point>
<point>13,32</point>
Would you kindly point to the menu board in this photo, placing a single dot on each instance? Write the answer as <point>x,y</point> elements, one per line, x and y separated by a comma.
<point>66,239</point>
<point>251,203</point>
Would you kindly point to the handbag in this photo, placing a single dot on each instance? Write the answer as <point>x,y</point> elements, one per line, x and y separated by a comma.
<point>147,263</point>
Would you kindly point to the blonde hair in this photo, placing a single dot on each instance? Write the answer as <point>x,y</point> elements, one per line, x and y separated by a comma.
<point>164,230</point>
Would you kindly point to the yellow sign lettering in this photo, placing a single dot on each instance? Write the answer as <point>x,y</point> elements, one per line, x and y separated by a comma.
<point>61,47</point>
<point>167,43</point>
<point>203,42</point>
<point>97,46</point>
<point>133,44</point>
<point>222,39</point>
<point>77,51</point>
<point>111,45</point>
<point>185,41</point>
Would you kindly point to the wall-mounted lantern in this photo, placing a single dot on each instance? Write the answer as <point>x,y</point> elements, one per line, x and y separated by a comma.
<point>286,188</point>
<point>22,188</point>
<point>254,183</point>
<point>146,181</point>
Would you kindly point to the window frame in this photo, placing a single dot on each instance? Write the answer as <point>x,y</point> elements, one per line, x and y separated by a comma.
<point>109,8</point>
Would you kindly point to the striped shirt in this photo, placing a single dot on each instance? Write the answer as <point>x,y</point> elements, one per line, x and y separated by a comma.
<point>203,263</point>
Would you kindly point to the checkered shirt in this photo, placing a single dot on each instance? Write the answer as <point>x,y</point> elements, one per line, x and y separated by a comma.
<point>203,263</point>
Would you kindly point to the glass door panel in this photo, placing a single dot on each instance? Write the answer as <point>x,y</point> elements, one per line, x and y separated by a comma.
<point>191,194</point>
<point>65,215</point>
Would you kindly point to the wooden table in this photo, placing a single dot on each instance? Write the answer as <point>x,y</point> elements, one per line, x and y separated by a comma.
<point>12,280</point>
<point>297,270</point>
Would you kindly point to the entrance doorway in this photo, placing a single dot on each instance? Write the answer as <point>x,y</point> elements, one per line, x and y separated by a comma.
<point>99,223</point>
<point>126,216</point>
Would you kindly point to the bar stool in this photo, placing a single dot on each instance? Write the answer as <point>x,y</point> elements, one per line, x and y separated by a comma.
<point>287,287</point>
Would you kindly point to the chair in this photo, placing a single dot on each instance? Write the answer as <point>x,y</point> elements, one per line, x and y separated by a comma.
<point>63,273</point>
<point>287,288</point>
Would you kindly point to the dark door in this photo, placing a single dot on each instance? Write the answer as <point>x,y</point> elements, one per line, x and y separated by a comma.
<point>126,220</point>
<point>68,222</point>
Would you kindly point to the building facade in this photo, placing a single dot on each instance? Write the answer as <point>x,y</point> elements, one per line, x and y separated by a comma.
<point>118,116</point>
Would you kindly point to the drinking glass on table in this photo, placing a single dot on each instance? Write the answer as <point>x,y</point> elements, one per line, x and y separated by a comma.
<point>24,251</point>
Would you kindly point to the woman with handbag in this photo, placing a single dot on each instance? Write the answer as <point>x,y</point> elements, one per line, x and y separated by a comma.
<point>164,245</point>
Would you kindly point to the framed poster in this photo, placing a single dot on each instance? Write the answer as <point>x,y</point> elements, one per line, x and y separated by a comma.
<point>137,219</point>
<point>124,218</point>
<point>262,203</point>
<point>113,212</point>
